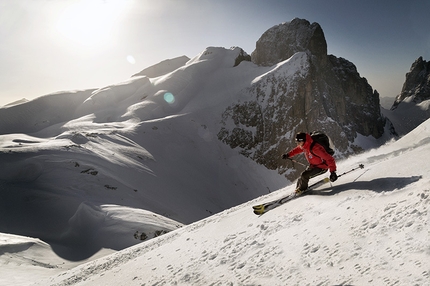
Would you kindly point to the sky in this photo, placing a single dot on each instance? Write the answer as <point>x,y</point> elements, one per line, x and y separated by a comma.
<point>49,46</point>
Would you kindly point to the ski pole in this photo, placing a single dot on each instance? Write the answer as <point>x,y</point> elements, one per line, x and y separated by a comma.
<point>360,166</point>
<point>294,161</point>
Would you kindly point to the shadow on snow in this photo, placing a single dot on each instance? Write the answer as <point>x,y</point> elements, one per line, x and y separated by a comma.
<point>377,185</point>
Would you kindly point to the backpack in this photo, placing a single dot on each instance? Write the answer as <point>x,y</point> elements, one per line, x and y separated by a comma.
<point>323,140</point>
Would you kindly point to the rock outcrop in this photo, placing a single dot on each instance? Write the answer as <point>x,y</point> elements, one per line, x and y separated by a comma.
<point>282,41</point>
<point>417,84</point>
<point>305,90</point>
<point>412,106</point>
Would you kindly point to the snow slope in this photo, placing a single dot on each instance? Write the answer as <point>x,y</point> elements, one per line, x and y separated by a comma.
<point>86,173</point>
<point>408,114</point>
<point>370,228</point>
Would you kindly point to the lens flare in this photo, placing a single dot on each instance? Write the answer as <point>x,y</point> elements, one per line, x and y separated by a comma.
<point>169,98</point>
<point>131,59</point>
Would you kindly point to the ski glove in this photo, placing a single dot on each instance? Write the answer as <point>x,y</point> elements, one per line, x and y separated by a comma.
<point>333,176</point>
<point>285,156</point>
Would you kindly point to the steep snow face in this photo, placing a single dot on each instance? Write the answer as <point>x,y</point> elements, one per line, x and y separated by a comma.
<point>409,114</point>
<point>369,228</point>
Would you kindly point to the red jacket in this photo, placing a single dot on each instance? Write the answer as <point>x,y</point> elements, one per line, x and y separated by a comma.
<point>317,158</point>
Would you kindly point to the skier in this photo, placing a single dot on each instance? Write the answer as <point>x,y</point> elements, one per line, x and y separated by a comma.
<point>319,160</point>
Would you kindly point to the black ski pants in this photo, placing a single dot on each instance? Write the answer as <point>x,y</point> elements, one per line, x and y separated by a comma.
<point>310,172</point>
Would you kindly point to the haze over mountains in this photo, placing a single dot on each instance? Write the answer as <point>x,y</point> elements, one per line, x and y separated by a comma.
<point>96,171</point>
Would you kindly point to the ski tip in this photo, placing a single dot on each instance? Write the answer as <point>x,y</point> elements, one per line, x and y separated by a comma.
<point>257,212</point>
<point>259,209</point>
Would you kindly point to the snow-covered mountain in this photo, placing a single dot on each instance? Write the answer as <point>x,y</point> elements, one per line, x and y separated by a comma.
<point>305,90</point>
<point>146,143</point>
<point>88,173</point>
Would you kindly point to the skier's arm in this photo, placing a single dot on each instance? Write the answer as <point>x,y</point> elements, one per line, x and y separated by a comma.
<point>295,152</point>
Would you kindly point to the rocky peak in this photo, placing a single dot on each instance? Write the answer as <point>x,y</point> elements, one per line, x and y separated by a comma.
<point>282,41</point>
<point>412,105</point>
<point>306,90</point>
<point>417,83</point>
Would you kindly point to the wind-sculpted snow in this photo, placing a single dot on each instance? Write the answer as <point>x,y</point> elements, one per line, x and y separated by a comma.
<point>42,112</point>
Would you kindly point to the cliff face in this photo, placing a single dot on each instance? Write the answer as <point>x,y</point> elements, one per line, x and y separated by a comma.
<point>417,83</point>
<point>412,105</point>
<point>352,100</point>
<point>305,90</point>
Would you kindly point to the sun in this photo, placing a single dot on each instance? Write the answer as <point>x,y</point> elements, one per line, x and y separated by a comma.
<point>90,22</point>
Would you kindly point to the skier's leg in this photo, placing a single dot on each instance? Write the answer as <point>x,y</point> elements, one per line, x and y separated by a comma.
<point>302,182</point>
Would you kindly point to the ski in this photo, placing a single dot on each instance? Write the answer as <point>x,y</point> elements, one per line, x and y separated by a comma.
<point>263,208</point>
